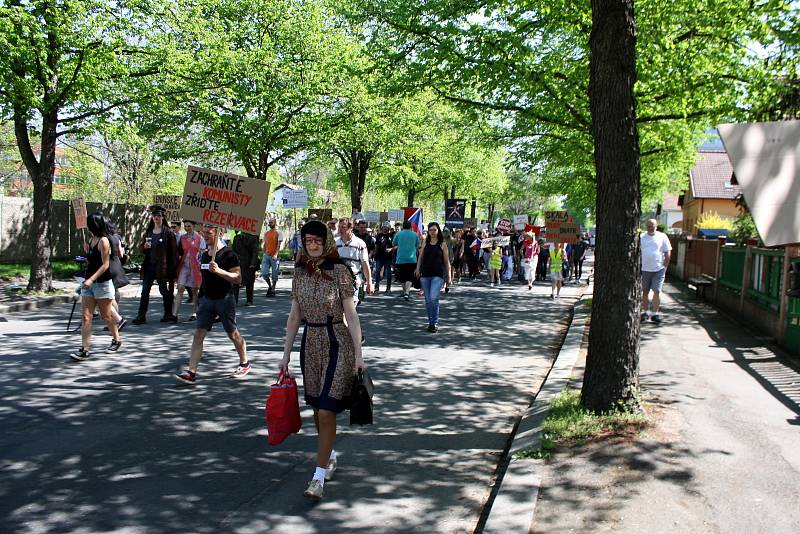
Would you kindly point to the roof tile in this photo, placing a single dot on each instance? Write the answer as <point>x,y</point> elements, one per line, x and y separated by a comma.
<point>710,175</point>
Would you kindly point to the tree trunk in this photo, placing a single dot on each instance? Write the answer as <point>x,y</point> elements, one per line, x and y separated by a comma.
<point>41,174</point>
<point>472,209</point>
<point>612,367</point>
<point>452,191</point>
<point>491,213</point>
<point>357,165</point>
<point>410,197</point>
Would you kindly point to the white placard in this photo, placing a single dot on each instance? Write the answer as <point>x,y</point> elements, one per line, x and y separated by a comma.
<point>372,216</point>
<point>295,198</point>
<point>396,215</point>
<point>520,221</point>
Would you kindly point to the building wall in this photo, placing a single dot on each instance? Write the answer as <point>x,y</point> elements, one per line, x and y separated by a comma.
<point>694,207</point>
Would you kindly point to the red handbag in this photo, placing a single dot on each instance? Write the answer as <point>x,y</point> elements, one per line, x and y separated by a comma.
<point>282,410</point>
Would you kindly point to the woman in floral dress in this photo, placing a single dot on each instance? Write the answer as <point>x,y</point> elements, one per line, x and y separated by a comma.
<point>330,351</point>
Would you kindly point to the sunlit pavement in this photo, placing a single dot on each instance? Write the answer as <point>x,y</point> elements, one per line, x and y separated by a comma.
<point>114,444</point>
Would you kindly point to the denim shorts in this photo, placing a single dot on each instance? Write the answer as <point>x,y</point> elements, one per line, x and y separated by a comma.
<point>99,290</point>
<point>653,280</point>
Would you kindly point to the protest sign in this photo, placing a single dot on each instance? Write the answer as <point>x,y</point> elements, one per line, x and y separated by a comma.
<point>504,226</point>
<point>396,215</point>
<point>454,212</point>
<point>520,221</point>
<point>294,198</point>
<point>323,214</point>
<point>470,222</point>
<point>171,205</point>
<point>501,241</point>
<point>556,216</point>
<point>79,208</point>
<point>225,200</point>
<point>565,232</point>
<point>372,217</point>
<point>384,216</point>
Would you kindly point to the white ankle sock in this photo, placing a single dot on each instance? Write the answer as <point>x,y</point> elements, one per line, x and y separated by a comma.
<point>333,455</point>
<point>319,474</point>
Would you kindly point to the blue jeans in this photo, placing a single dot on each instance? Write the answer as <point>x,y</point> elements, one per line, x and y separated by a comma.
<point>432,285</point>
<point>386,265</point>
<point>268,264</point>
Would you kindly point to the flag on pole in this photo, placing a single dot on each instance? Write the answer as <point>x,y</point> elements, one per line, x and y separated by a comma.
<point>475,244</point>
<point>416,221</point>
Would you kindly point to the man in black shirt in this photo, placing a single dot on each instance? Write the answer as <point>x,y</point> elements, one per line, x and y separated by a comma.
<point>577,257</point>
<point>383,257</point>
<point>220,273</point>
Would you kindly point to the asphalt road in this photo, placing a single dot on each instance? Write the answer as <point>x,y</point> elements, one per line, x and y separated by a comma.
<point>114,444</point>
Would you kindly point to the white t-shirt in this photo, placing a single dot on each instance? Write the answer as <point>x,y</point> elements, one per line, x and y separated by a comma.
<point>653,249</point>
<point>353,252</point>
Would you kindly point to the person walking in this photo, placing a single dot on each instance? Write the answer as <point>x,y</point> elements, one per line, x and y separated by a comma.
<point>330,352</point>
<point>118,276</point>
<point>97,289</point>
<point>270,264</point>
<point>246,246</point>
<point>495,263</point>
<point>544,260</point>
<point>406,243</point>
<point>160,260</point>
<point>578,256</point>
<point>530,257</point>
<point>189,246</point>
<point>558,256</point>
<point>383,257</point>
<point>353,251</point>
<point>433,271</point>
<point>656,253</point>
<point>457,259</point>
<point>220,270</point>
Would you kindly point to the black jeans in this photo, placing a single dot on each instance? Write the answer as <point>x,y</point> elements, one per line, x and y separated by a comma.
<point>148,277</point>
<point>578,269</point>
<point>248,281</point>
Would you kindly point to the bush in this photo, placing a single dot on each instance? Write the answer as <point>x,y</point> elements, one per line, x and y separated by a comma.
<point>744,228</point>
<point>713,220</point>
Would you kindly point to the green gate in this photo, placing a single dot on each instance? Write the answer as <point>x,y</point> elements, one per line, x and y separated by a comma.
<point>793,328</point>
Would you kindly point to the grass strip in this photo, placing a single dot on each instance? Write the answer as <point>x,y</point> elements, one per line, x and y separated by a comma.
<point>568,423</point>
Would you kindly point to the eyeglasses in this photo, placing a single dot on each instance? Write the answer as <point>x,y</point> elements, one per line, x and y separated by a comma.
<point>313,240</point>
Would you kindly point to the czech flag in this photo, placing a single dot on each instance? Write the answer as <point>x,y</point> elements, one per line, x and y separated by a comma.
<point>475,244</point>
<point>416,221</point>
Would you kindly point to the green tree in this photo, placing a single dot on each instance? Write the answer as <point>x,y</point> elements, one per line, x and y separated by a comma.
<point>66,65</point>
<point>277,67</point>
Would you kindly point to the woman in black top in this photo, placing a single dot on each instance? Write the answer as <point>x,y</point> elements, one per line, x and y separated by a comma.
<point>433,270</point>
<point>98,287</point>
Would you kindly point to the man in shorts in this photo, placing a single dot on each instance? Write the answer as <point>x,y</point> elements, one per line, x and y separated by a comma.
<point>656,252</point>
<point>406,243</point>
<point>220,269</point>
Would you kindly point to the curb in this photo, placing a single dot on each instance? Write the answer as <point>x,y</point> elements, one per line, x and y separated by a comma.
<point>514,506</point>
<point>36,303</point>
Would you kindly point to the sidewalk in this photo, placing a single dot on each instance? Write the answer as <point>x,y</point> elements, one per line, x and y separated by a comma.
<point>722,455</point>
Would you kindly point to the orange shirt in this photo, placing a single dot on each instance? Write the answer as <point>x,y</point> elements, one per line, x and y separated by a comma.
<point>271,240</point>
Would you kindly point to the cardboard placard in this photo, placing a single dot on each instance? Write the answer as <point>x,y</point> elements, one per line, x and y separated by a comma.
<point>470,222</point>
<point>372,217</point>
<point>396,215</point>
<point>323,214</point>
<point>531,228</point>
<point>171,205</point>
<point>556,216</point>
<point>565,232</point>
<point>225,200</point>
<point>520,221</point>
<point>79,208</point>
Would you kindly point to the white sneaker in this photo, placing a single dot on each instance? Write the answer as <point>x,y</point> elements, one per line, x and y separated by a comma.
<point>332,465</point>
<point>314,490</point>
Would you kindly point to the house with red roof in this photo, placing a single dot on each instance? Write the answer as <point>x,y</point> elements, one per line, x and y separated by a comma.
<point>712,188</point>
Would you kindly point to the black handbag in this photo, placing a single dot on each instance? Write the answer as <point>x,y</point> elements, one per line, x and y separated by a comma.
<point>361,397</point>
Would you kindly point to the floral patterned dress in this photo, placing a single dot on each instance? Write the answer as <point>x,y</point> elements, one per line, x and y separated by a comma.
<point>327,355</point>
